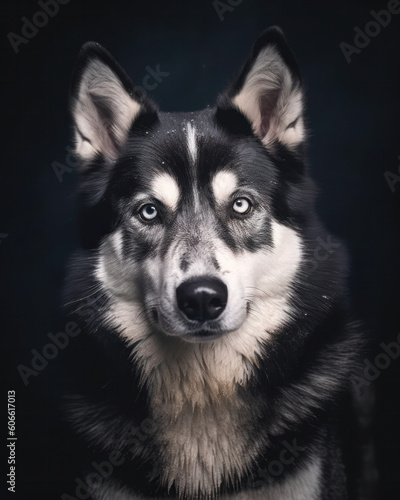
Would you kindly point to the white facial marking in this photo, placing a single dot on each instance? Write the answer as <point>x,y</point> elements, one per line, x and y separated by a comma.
<point>223,185</point>
<point>166,189</point>
<point>191,141</point>
<point>192,148</point>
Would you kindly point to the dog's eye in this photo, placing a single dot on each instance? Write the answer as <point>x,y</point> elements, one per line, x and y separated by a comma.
<point>148,212</point>
<point>241,206</point>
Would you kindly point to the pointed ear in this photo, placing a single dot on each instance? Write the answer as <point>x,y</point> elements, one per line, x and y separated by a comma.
<point>269,92</point>
<point>104,104</point>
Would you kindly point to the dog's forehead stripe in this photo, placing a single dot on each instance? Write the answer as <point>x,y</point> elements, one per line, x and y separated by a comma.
<point>166,189</point>
<point>223,185</point>
<point>191,141</point>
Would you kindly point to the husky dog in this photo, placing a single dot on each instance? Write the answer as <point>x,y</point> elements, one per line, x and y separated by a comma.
<point>218,347</point>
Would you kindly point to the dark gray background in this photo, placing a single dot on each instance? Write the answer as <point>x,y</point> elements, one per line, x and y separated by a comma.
<point>353,114</point>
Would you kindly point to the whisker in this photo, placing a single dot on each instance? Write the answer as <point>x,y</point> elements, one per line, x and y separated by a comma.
<point>259,290</point>
<point>96,289</point>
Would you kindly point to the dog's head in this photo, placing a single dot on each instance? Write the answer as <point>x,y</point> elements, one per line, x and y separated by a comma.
<point>197,215</point>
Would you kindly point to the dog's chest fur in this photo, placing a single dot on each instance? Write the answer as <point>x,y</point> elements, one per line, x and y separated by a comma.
<point>202,446</point>
<point>205,425</point>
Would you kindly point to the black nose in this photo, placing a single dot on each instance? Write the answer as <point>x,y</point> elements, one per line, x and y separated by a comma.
<point>202,299</point>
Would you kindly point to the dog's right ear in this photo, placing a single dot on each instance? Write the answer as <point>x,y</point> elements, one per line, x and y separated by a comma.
<point>268,92</point>
<point>104,104</point>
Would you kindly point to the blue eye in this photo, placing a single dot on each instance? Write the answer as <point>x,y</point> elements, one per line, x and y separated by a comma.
<point>148,212</point>
<point>242,206</point>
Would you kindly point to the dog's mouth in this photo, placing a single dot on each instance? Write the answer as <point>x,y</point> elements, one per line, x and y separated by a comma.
<point>204,335</point>
<point>191,331</point>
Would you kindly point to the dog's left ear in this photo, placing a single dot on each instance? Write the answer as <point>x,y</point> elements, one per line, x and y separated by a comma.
<point>269,92</point>
<point>104,104</point>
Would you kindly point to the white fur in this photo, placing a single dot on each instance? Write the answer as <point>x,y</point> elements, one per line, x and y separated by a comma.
<point>166,189</point>
<point>98,81</point>
<point>192,148</point>
<point>117,243</point>
<point>270,78</point>
<point>223,185</point>
<point>303,485</point>
<point>191,141</point>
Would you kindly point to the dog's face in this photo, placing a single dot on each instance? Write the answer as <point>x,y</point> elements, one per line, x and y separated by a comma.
<point>202,207</point>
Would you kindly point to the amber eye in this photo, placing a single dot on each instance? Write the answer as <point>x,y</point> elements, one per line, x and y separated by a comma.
<point>241,206</point>
<point>148,212</point>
